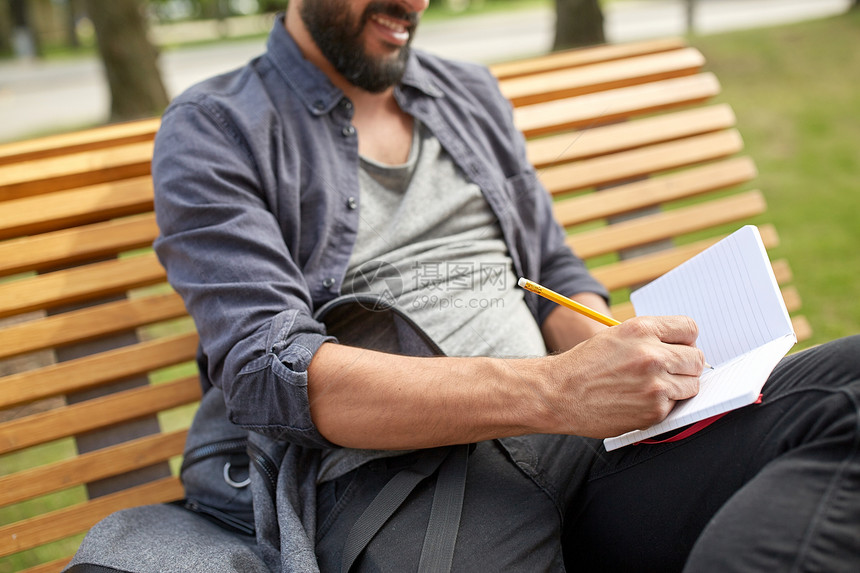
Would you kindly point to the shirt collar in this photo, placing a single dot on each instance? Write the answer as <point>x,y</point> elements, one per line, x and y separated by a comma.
<point>313,87</point>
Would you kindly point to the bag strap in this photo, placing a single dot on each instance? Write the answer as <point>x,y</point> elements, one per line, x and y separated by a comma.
<point>437,554</point>
<point>441,535</point>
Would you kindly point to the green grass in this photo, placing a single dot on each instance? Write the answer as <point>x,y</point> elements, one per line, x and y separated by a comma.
<point>793,89</point>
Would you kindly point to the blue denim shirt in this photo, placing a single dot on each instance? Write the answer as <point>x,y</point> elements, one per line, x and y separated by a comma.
<point>257,199</point>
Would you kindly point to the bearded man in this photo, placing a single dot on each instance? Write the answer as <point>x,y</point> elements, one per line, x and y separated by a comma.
<point>342,168</point>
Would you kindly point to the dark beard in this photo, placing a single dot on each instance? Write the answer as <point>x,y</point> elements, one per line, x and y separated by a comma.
<point>338,37</point>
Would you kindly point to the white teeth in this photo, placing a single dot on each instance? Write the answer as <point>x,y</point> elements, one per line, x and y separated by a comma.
<point>390,24</point>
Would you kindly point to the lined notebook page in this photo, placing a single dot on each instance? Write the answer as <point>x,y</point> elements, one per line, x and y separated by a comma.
<point>744,327</point>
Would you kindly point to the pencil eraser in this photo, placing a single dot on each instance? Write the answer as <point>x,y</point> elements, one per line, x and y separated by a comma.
<point>522,282</point>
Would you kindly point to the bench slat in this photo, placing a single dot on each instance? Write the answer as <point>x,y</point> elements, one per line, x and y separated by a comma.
<point>580,57</point>
<point>653,191</point>
<point>64,209</point>
<point>87,242</point>
<point>621,103</point>
<point>666,224</point>
<point>51,567</point>
<point>782,271</point>
<point>647,267</point>
<point>39,176</point>
<point>96,413</point>
<point>88,323</point>
<point>624,310</point>
<point>79,141</point>
<point>92,466</point>
<point>549,86</point>
<point>635,163</point>
<point>97,369</point>
<point>65,522</point>
<point>90,282</point>
<point>578,145</point>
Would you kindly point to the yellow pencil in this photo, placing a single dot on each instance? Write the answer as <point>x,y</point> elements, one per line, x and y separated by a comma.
<point>572,304</point>
<point>566,302</point>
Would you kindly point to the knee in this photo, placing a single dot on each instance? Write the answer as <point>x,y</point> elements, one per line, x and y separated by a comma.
<point>834,363</point>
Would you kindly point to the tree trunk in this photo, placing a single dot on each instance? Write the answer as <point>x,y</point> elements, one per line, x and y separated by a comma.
<point>578,23</point>
<point>130,60</point>
<point>25,40</point>
<point>5,30</point>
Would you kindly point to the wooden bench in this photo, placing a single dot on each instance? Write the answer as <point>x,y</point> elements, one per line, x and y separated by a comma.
<point>97,381</point>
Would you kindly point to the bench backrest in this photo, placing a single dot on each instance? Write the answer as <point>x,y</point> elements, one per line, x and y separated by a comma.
<point>97,380</point>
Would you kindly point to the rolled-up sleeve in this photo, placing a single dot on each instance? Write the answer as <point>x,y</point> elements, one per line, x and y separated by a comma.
<point>228,256</point>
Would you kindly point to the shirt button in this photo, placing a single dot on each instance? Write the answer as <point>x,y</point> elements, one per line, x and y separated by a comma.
<point>346,103</point>
<point>348,131</point>
<point>328,283</point>
<point>352,203</point>
<point>319,105</point>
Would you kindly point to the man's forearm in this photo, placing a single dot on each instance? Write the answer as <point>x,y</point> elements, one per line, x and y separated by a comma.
<point>619,379</point>
<point>366,399</point>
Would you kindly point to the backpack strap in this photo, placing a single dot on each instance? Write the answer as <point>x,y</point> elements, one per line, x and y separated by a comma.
<point>437,552</point>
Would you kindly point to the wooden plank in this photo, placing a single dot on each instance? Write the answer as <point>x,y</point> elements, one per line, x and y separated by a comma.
<point>78,141</point>
<point>782,271</point>
<point>62,523</point>
<point>624,311</point>
<point>96,413</point>
<point>666,224</point>
<point>653,191</point>
<point>645,268</point>
<point>584,56</point>
<point>548,86</point>
<point>91,466</point>
<point>97,369</point>
<point>83,243</point>
<point>78,284</point>
<point>613,105</point>
<point>88,323</point>
<point>608,139</point>
<point>634,163</point>
<point>39,176</point>
<point>54,211</point>
<point>802,328</point>
<point>51,567</point>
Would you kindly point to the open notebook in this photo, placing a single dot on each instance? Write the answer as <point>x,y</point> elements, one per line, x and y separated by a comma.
<point>744,328</point>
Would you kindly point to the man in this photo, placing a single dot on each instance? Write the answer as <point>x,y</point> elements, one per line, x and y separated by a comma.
<point>344,162</point>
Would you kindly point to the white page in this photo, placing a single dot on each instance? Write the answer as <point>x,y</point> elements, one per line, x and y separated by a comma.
<point>744,328</point>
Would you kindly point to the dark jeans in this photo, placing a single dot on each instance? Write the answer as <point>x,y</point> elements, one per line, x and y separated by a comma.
<point>769,487</point>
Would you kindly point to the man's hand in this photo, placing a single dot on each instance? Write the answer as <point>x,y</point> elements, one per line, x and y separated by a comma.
<point>626,377</point>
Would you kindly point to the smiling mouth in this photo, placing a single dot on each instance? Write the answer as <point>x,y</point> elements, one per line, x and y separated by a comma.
<point>397,30</point>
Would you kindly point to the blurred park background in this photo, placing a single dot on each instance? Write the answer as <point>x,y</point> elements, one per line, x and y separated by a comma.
<point>789,68</point>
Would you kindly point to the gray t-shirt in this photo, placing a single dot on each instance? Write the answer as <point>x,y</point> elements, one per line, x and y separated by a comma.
<point>429,240</point>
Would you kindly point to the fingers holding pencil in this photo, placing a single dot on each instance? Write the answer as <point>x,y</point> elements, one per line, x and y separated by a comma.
<point>562,300</point>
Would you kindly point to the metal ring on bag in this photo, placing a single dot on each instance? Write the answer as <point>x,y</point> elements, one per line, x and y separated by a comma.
<point>229,480</point>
